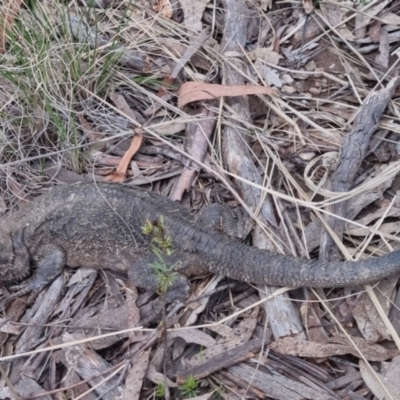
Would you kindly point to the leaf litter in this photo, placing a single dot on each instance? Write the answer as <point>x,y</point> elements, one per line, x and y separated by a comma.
<point>169,96</point>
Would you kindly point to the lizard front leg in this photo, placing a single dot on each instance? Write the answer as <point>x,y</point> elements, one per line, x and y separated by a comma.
<point>49,260</point>
<point>14,257</point>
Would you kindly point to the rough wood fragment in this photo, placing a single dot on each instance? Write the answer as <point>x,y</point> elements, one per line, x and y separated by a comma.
<point>282,315</point>
<point>136,375</point>
<point>223,360</point>
<point>236,386</point>
<point>343,380</point>
<point>88,364</point>
<point>73,384</point>
<point>278,386</point>
<point>295,366</point>
<point>338,345</point>
<point>28,388</point>
<point>352,153</point>
<point>39,315</point>
<point>228,338</point>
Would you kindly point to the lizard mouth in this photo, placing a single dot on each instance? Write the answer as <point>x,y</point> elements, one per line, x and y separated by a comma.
<point>11,275</point>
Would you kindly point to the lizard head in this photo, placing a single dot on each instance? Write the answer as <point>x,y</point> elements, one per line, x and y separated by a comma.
<point>13,255</point>
<point>6,255</point>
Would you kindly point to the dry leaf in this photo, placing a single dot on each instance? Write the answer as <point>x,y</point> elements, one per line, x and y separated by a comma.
<point>133,316</point>
<point>136,375</point>
<point>270,75</point>
<point>171,127</point>
<point>265,55</point>
<point>393,371</point>
<point>194,91</point>
<point>384,229</point>
<point>193,336</point>
<point>229,338</point>
<point>120,102</point>
<point>391,19</point>
<point>193,13</point>
<point>205,396</point>
<point>335,15</point>
<point>158,377</point>
<point>366,315</point>
<point>18,191</point>
<point>9,327</point>
<point>365,18</point>
<point>394,211</point>
<point>93,136</point>
<point>200,306</point>
<point>265,4</point>
<point>376,385</point>
<point>312,319</point>
<point>308,6</point>
<point>374,31</point>
<point>164,7</point>
<point>120,173</point>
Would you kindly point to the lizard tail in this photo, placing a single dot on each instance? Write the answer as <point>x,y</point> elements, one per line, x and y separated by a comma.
<point>249,264</point>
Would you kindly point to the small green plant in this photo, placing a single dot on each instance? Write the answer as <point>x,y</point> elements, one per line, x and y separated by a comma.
<point>161,245</point>
<point>165,274</point>
<point>160,391</point>
<point>189,387</point>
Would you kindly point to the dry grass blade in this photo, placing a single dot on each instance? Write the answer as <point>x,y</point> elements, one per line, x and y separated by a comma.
<point>7,15</point>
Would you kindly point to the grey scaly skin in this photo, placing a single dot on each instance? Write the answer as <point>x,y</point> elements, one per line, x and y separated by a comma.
<point>101,225</point>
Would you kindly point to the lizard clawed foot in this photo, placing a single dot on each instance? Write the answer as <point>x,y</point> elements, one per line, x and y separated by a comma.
<point>49,260</point>
<point>30,285</point>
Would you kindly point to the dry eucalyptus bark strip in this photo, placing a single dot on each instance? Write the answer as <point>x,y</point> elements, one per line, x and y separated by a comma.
<point>352,153</point>
<point>282,315</point>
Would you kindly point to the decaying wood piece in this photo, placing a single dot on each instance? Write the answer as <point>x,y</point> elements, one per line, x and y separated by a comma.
<point>352,153</point>
<point>223,360</point>
<point>283,316</point>
<point>28,388</point>
<point>37,318</point>
<point>89,365</point>
<point>277,386</point>
<point>136,376</point>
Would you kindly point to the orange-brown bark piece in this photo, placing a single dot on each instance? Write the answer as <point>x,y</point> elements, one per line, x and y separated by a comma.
<point>194,91</point>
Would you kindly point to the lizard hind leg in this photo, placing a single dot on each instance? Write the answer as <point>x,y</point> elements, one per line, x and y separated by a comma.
<point>49,260</point>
